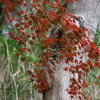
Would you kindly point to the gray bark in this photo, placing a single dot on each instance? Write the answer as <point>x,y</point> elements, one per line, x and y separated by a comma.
<point>59,84</point>
<point>89,11</point>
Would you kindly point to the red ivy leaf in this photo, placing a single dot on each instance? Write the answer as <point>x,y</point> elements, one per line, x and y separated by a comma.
<point>10,33</point>
<point>57,1</point>
<point>80,98</point>
<point>51,40</point>
<point>97,64</point>
<point>20,1</point>
<point>29,50</point>
<point>22,12</point>
<point>9,6</point>
<point>90,64</point>
<point>37,65</point>
<point>29,72</point>
<point>36,5</point>
<point>84,84</point>
<point>17,54</point>
<point>43,35</point>
<point>66,69</point>
<point>90,98</point>
<point>53,14</point>
<point>93,45</point>
<point>23,59</point>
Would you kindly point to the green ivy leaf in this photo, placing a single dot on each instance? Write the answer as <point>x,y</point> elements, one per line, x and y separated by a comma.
<point>2,40</point>
<point>89,83</point>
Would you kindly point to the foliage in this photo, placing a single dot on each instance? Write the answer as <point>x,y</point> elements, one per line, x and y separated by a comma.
<point>93,76</point>
<point>97,39</point>
<point>32,45</point>
<point>14,81</point>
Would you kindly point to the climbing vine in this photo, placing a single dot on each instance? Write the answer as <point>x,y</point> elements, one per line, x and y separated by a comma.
<point>33,30</point>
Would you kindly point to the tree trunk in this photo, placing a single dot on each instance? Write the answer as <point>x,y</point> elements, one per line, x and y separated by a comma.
<point>89,11</point>
<point>59,84</point>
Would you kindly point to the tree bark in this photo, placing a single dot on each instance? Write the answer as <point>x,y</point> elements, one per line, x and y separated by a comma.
<point>89,11</point>
<point>59,84</point>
